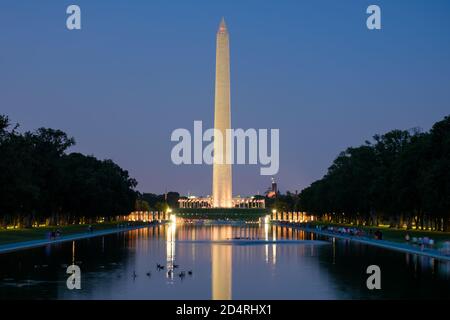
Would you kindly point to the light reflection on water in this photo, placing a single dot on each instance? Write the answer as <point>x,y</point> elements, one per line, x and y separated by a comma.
<point>219,271</point>
<point>221,258</point>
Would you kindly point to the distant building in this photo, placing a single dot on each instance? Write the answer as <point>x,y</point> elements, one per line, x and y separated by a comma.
<point>272,192</point>
<point>207,202</point>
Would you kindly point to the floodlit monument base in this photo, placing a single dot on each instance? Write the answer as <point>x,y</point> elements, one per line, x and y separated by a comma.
<point>207,202</point>
<point>222,213</point>
<point>247,208</point>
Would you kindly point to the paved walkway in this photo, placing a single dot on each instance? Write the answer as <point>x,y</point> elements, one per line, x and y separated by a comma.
<point>397,246</point>
<point>78,236</point>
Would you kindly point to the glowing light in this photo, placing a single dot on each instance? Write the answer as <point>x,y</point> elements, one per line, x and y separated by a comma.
<point>170,244</point>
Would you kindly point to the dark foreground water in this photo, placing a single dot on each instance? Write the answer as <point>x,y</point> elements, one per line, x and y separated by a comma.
<point>336,270</point>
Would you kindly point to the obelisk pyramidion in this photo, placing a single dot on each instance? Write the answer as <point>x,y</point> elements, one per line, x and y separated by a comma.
<point>222,178</point>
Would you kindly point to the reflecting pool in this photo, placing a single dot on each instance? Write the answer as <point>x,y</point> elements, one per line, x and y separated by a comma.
<point>124,266</point>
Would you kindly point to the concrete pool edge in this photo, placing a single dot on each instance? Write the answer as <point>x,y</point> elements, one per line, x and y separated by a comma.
<point>23,245</point>
<point>405,248</point>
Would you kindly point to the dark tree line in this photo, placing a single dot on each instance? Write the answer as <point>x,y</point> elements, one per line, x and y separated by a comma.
<point>157,202</point>
<point>42,184</point>
<point>402,177</point>
<point>289,202</point>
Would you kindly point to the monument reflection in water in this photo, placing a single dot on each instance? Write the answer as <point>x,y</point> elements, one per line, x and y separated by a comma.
<point>221,254</point>
<point>221,258</point>
<point>222,261</point>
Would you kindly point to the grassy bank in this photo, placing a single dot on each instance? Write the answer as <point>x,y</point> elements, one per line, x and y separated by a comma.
<point>39,233</point>
<point>394,234</point>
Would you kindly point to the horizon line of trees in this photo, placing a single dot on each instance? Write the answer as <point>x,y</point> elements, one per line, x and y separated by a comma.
<point>40,183</point>
<point>162,202</point>
<point>157,202</point>
<point>400,178</point>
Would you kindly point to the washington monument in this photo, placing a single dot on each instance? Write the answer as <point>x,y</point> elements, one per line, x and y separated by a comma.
<point>222,195</point>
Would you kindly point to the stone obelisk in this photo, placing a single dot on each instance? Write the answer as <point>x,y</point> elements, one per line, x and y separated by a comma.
<point>222,177</point>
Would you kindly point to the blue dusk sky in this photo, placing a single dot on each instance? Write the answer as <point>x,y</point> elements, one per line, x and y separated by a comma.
<point>140,69</point>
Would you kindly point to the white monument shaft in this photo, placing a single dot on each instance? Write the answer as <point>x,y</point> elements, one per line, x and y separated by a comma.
<point>222,177</point>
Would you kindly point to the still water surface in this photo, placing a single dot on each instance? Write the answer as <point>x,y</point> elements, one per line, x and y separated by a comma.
<point>335,270</point>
